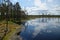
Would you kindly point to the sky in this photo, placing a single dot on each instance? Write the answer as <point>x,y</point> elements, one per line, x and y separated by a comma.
<point>39,4</point>
<point>30,5</point>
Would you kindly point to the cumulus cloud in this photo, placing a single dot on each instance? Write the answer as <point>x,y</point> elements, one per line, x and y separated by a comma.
<point>40,5</point>
<point>30,9</point>
<point>57,7</point>
<point>50,0</point>
<point>28,0</point>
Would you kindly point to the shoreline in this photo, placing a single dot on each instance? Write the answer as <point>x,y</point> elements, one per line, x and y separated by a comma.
<point>13,29</point>
<point>13,34</point>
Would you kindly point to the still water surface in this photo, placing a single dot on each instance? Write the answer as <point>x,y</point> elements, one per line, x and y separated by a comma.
<point>41,29</point>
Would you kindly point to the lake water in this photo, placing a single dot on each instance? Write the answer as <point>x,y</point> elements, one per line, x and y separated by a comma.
<point>41,29</point>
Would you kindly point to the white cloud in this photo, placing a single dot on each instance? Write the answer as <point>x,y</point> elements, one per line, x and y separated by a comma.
<point>28,0</point>
<point>53,10</point>
<point>14,1</point>
<point>55,7</point>
<point>30,9</point>
<point>40,5</point>
<point>50,0</point>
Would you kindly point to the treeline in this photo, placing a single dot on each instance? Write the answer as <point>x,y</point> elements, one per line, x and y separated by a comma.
<point>11,11</point>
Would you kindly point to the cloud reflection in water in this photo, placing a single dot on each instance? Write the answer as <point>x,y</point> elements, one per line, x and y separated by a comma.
<point>42,26</point>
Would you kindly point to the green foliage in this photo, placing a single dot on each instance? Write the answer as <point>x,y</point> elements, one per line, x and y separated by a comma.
<point>11,11</point>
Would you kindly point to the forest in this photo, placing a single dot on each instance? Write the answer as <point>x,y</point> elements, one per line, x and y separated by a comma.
<point>11,11</point>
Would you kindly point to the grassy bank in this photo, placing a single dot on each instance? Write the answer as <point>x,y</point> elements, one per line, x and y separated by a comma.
<point>12,29</point>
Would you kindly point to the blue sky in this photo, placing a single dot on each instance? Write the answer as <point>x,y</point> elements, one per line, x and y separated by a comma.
<point>30,5</point>
<point>38,4</point>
